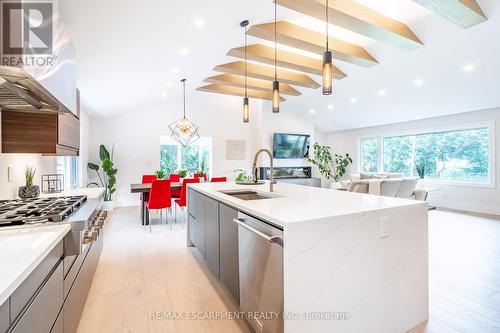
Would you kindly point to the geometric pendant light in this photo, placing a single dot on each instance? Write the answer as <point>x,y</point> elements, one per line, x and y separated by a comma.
<point>184,131</point>
<point>246,107</point>
<point>276,83</point>
<point>327,61</point>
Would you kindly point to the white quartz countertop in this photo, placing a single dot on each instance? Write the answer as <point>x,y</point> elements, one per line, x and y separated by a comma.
<point>90,192</point>
<point>23,248</point>
<point>296,203</point>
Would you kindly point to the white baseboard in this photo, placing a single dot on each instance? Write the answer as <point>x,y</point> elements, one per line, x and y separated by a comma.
<point>473,207</point>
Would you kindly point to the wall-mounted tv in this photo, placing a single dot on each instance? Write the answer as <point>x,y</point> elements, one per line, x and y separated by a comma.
<point>290,145</point>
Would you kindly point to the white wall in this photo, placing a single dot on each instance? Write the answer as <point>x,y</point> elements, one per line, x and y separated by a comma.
<point>136,136</point>
<point>84,148</point>
<point>468,198</point>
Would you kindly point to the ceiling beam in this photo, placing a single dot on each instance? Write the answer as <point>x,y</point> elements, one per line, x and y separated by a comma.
<point>353,16</point>
<point>235,91</point>
<point>267,73</point>
<point>285,59</point>
<point>252,83</point>
<point>464,13</point>
<point>304,39</point>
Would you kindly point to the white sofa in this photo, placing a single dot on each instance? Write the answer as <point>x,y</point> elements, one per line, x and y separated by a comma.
<point>385,184</point>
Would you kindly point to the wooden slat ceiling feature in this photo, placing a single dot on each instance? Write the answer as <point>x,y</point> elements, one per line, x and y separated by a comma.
<point>252,83</point>
<point>267,73</point>
<point>304,39</point>
<point>289,60</point>
<point>464,13</point>
<point>353,16</point>
<point>235,91</point>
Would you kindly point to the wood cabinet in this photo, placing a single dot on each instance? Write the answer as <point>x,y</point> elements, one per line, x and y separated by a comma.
<point>40,133</point>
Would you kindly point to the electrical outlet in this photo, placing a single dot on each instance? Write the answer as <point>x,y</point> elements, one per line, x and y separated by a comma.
<point>10,174</point>
<point>384,227</point>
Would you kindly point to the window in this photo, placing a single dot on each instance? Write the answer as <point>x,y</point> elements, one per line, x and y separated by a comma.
<point>67,166</point>
<point>193,158</point>
<point>463,155</point>
<point>369,156</point>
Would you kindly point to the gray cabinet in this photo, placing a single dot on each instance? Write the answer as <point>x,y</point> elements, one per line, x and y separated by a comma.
<point>41,313</point>
<point>212,235</point>
<point>196,208</point>
<point>4,316</point>
<point>229,263</point>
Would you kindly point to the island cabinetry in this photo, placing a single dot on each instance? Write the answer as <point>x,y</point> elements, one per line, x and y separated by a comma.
<point>215,236</point>
<point>229,262</point>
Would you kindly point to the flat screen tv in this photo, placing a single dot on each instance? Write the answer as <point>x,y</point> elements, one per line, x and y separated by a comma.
<point>290,145</point>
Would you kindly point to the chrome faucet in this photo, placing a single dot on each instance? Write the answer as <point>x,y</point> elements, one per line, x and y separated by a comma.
<point>271,171</point>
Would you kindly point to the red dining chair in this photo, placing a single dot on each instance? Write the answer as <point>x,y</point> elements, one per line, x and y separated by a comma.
<point>175,178</point>
<point>148,179</point>
<point>218,179</point>
<point>159,198</point>
<point>197,176</point>
<point>182,202</point>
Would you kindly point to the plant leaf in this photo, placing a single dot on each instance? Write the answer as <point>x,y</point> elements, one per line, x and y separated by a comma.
<point>103,153</point>
<point>93,166</point>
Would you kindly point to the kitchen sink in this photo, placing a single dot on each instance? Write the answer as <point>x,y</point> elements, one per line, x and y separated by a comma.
<point>247,195</point>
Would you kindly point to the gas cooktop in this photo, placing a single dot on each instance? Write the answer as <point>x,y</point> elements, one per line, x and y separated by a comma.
<point>39,210</point>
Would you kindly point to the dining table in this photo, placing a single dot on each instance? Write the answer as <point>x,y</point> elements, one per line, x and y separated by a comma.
<point>144,189</point>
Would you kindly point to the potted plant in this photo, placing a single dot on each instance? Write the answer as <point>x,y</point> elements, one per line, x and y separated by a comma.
<point>330,165</point>
<point>183,174</point>
<point>160,174</point>
<point>108,177</point>
<point>30,190</point>
<point>201,172</point>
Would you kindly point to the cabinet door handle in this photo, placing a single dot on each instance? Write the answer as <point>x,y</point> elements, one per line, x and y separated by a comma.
<point>271,239</point>
<point>194,218</point>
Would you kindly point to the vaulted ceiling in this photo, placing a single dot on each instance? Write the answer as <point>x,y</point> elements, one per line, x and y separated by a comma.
<point>396,60</point>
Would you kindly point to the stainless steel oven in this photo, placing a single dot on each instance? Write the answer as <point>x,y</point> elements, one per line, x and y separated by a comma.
<point>261,273</point>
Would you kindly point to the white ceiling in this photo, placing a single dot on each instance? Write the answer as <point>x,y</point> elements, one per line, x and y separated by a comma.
<point>130,57</point>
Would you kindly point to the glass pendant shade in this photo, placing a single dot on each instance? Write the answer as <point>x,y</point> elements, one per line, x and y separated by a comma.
<point>276,96</point>
<point>184,131</point>
<point>246,111</point>
<point>327,73</point>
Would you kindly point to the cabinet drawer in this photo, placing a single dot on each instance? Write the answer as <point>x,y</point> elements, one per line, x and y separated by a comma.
<point>75,302</point>
<point>4,316</point>
<point>42,312</point>
<point>58,325</point>
<point>20,298</point>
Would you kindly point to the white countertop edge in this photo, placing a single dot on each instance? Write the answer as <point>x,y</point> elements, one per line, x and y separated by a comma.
<point>235,203</point>
<point>7,292</point>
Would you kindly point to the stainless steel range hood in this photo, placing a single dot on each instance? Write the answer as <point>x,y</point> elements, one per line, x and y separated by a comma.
<point>19,91</point>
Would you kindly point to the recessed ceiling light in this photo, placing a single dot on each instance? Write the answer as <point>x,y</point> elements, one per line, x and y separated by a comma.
<point>418,82</point>
<point>312,111</point>
<point>330,106</point>
<point>184,51</point>
<point>469,67</point>
<point>354,100</point>
<point>175,70</point>
<point>198,23</point>
<point>382,92</point>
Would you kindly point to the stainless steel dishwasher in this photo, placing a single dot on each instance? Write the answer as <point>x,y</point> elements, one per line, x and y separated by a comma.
<point>260,248</point>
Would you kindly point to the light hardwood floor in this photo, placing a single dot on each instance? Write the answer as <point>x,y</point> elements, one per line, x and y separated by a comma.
<point>141,272</point>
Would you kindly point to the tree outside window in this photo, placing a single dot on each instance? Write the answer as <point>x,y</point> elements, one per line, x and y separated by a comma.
<point>193,158</point>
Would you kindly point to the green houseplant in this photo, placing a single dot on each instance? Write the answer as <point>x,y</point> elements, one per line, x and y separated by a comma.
<point>29,190</point>
<point>160,174</point>
<point>330,165</point>
<point>183,173</point>
<point>421,168</point>
<point>201,172</point>
<point>108,176</point>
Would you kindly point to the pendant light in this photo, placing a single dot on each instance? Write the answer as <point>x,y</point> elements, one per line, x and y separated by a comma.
<point>276,83</point>
<point>184,131</point>
<point>327,61</point>
<point>246,107</point>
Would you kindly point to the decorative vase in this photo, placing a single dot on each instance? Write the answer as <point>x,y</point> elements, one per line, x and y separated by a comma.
<point>108,206</point>
<point>29,192</point>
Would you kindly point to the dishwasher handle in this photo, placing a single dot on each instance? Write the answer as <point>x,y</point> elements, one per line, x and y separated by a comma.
<point>271,239</point>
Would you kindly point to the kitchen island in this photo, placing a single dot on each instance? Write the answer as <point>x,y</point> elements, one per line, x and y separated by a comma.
<point>350,262</point>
